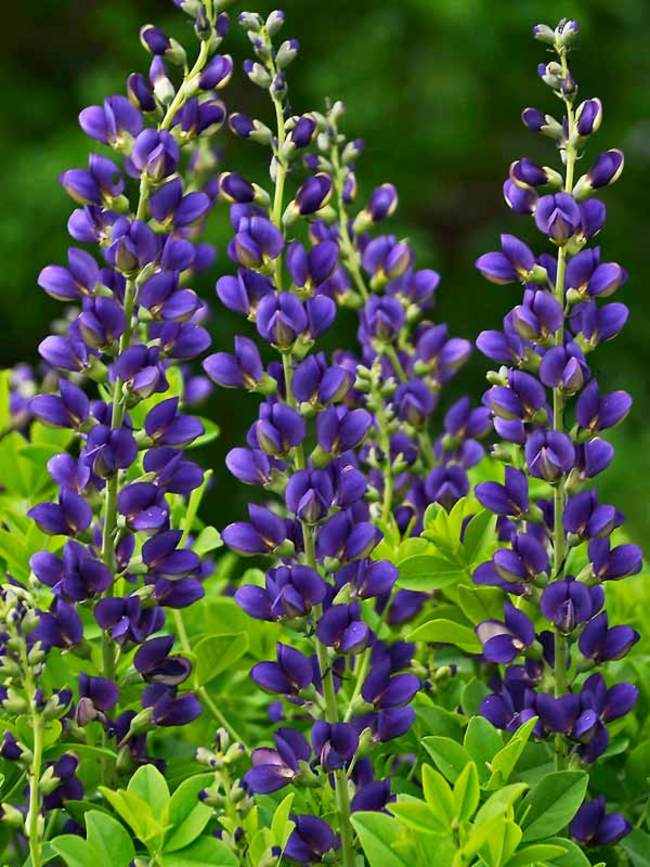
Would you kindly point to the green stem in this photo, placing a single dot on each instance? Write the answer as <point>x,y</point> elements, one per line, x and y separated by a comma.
<point>34,812</point>
<point>347,246</point>
<point>299,462</point>
<point>560,645</point>
<point>34,821</point>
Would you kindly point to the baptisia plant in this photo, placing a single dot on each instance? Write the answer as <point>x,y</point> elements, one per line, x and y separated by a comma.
<point>560,544</point>
<point>118,559</point>
<point>345,686</point>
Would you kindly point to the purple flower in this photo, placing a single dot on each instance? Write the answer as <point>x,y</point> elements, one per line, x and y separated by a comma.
<point>385,690</point>
<point>510,498</point>
<point>339,429</point>
<point>343,538</point>
<point>606,170</point>
<point>289,591</point>
<point>334,744</point>
<point>257,241</point>
<point>310,840</point>
<point>71,515</point>
<point>112,123</point>
<point>155,153</point>
<point>71,409</point>
<point>170,710</point>
<point>126,619</point>
<point>165,560</point>
<point>98,185</point>
<point>515,262</point>
<point>61,626</point>
<point>77,576</point>
<point>77,280</point>
<point>610,564</point>
<point>166,427</point>
<point>144,507</point>
<point>154,663</point>
<point>288,676</point>
<point>601,643</point>
<point>264,534</point>
<point>595,413</point>
<point>311,269</point>
<point>592,826</point>
<point>281,319</point>
<point>585,516</point>
<point>567,603</point>
<point>549,454</point>
<point>244,369</point>
<point>314,194</point>
<point>273,769</point>
<point>279,429</point>
<point>341,627</point>
<point>97,696</point>
<point>558,216</point>
<point>386,258</point>
<point>502,642</point>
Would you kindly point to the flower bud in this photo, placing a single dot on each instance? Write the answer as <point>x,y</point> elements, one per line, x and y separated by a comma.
<point>274,22</point>
<point>250,21</point>
<point>286,53</point>
<point>589,115</point>
<point>257,73</point>
<point>544,33</point>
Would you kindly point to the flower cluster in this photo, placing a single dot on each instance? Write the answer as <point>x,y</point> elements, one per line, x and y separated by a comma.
<point>550,413</point>
<point>405,357</point>
<point>117,561</point>
<point>320,424</point>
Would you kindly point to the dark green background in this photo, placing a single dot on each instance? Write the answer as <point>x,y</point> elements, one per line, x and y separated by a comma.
<point>435,87</point>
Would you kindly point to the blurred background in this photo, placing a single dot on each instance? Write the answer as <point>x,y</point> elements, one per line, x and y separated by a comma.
<point>434,87</point>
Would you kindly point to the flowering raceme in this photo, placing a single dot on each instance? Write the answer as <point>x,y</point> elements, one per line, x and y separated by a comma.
<point>550,413</point>
<point>330,436</point>
<point>118,383</point>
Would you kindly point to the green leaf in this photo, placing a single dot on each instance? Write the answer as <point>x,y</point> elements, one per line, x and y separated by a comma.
<point>501,844</point>
<point>417,815</point>
<point>136,813</point>
<point>209,539</point>
<point>384,842</point>
<point>447,632</point>
<point>438,795</point>
<point>438,721</point>
<point>187,815</point>
<point>482,741</point>
<point>503,763</point>
<point>5,411</point>
<point>479,537</point>
<point>110,838</point>
<point>573,856</point>
<point>552,803</point>
<point>51,732</point>
<point>500,803</point>
<point>77,852</point>
<point>216,653</point>
<point>467,792</point>
<point>150,785</point>
<point>536,853</point>
<point>204,852</point>
<point>281,825</point>
<point>449,757</point>
<point>637,847</point>
<point>473,694</point>
<point>480,603</point>
<point>427,572</point>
